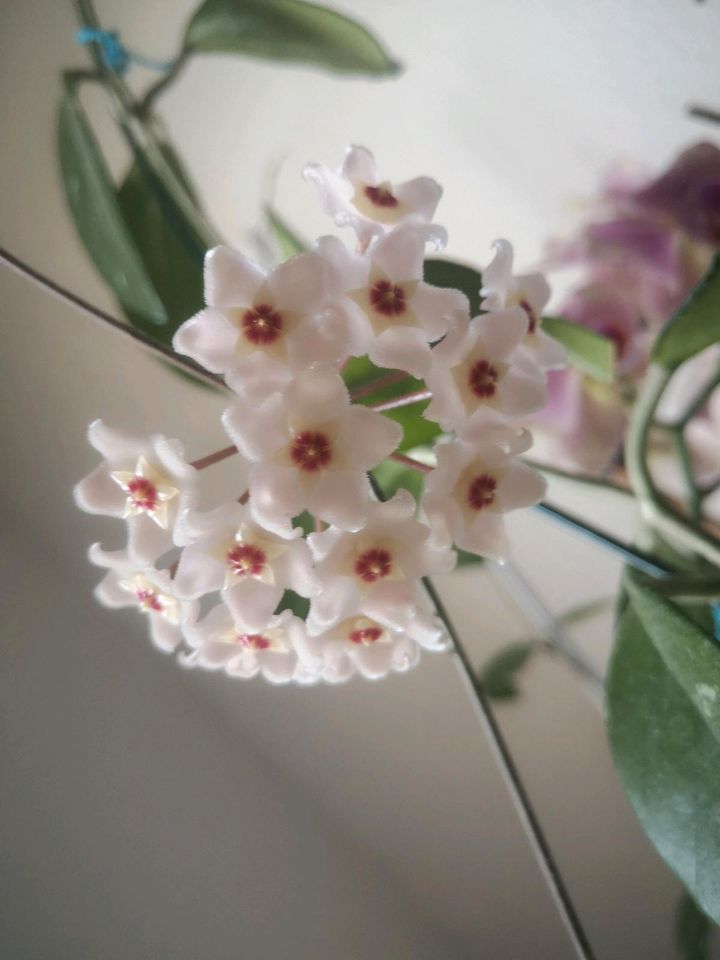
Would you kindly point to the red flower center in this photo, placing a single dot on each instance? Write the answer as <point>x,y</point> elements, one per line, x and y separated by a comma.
<point>252,641</point>
<point>387,298</point>
<point>531,315</point>
<point>149,600</point>
<point>373,564</point>
<point>261,324</point>
<point>245,559</point>
<point>143,493</point>
<point>483,378</point>
<point>311,451</point>
<point>481,492</point>
<point>380,196</point>
<point>365,636</point>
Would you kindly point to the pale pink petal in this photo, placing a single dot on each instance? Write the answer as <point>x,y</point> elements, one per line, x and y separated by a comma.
<point>198,573</point>
<point>340,497</point>
<point>146,540</point>
<point>98,493</point>
<point>165,636</point>
<point>337,601</point>
<point>373,661</point>
<point>114,444</point>
<point>209,338</point>
<point>252,603</point>
<point>359,164</point>
<point>400,253</point>
<point>502,331</point>
<point>402,348</point>
<point>111,594</point>
<point>420,195</point>
<point>231,280</point>
<point>319,394</point>
<point>522,393</point>
<point>521,487</point>
<point>389,602</point>
<point>257,431</point>
<point>275,498</point>
<point>368,438</point>
<point>257,376</point>
<point>277,667</point>
<point>299,284</point>
<point>437,308</point>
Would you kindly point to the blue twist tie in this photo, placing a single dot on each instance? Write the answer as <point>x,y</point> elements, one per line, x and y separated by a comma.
<point>715,609</point>
<point>115,55</point>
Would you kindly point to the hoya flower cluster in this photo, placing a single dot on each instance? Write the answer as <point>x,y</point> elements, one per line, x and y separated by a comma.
<point>306,531</point>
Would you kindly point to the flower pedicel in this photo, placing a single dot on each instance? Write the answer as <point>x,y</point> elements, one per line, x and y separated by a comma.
<point>281,339</point>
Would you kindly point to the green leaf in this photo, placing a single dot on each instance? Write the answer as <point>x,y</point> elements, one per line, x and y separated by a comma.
<point>392,476</point>
<point>692,930</point>
<point>288,30</point>
<point>499,675</point>
<point>171,251</point>
<point>288,241</point>
<point>695,325</point>
<point>663,695</point>
<point>98,218</point>
<point>297,605</point>
<point>447,273</point>
<point>588,351</point>
<point>465,559</point>
<point>417,431</point>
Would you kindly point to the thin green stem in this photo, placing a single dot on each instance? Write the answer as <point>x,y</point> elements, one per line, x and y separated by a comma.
<point>654,511</point>
<point>140,133</point>
<point>582,478</point>
<point>144,107</point>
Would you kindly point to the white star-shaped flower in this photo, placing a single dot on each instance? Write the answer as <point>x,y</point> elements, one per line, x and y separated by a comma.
<point>477,479</point>
<point>530,292</point>
<point>146,481</point>
<point>310,449</point>
<point>148,590</point>
<point>218,642</point>
<point>377,569</point>
<point>357,196</point>
<point>391,313</point>
<point>477,368</point>
<point>250,566</point>
<point>259,328</point>
<point>372,648</point>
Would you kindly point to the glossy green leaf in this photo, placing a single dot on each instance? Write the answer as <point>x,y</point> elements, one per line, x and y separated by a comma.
<point>392,476</point>
<point>692,930</point>
<point>172,253</point>
<point>98,217</point>
<point>466,559</point>
<point>417,431</point>
<point>457,276</point>
<point>589,352</point>
<point>695,325</point>
<point>499,675</point>
<point>287,240</point>
<point>297,605</point>
<point>663,695</point>
<point>288,30</point>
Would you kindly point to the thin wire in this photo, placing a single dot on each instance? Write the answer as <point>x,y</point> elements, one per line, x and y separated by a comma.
<point>547,624</point>
<point>503,757</point>
<point>50,286</point>
<point>516,789</point>
<point>635,558</point>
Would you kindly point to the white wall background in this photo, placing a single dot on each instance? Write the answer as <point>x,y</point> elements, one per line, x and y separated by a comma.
<point>146,812</point>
